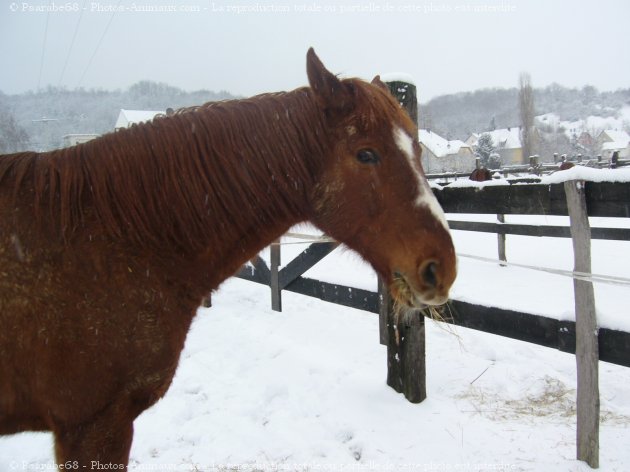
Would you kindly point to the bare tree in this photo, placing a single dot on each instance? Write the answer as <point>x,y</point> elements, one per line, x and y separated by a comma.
<point>526,110</point>
<point>13,137</point>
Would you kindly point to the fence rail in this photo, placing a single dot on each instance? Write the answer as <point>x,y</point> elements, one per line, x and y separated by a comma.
<point>515,229</point>
<point>605,199</point>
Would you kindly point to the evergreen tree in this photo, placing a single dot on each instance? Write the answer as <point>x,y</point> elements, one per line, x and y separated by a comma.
<point>484,148</point>
<point>486,151</point>
<point>494,161</point>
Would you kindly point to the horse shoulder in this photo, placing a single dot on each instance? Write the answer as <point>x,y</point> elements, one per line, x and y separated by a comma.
<point>88,325</point>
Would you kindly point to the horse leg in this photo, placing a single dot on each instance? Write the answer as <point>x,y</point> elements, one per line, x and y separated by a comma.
<point>103,442</point>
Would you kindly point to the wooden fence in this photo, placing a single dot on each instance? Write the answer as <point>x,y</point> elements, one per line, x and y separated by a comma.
<point>405,360</point>
<point>602,199</point>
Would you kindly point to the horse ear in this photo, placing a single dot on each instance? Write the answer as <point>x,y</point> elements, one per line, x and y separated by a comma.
<point>330,92</point>
<point>379,83</point>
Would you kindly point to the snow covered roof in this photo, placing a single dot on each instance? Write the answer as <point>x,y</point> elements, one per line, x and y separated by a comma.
<point>438,145</point>
<point>616,136</point>
<point>614,146</point>
<point>128,117</point>
<point>613,140</point>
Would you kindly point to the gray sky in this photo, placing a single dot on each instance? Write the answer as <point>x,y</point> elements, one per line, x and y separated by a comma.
<point>447,46</point>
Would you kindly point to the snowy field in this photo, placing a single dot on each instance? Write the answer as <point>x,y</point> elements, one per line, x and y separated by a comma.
<point>304,390</point>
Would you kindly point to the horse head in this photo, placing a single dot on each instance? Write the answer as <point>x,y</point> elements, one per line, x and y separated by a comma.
<point>373,195</point>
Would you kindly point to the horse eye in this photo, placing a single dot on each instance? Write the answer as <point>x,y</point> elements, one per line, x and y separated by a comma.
<point>367,156</point>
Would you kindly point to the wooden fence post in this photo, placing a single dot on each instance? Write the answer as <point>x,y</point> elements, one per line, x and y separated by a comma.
<point>276,291</point>
<point>406,94</point>
<point>406,363</point>
<point>587,348</point>
<point>501,238</point>
<point>384,309</point>
<point>405,338</point>
<point>405,341</point>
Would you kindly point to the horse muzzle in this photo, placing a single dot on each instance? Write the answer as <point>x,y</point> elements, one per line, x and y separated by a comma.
<point>428,286</point>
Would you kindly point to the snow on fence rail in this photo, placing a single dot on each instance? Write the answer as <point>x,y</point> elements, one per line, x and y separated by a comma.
<point>606,199</point>
<point>530,172</point>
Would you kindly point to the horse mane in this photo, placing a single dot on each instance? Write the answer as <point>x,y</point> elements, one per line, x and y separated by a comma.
<point>241,161</point>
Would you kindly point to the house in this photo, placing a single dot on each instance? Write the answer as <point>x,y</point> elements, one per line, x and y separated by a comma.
<point>442,155</point>
<point>610,141</point>
<point>128,117</point>
<point>72,139</point>
<point>585,140</point>
<point>507,143</point>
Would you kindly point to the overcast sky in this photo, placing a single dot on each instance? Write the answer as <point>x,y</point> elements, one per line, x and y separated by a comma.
<point>447,46</point>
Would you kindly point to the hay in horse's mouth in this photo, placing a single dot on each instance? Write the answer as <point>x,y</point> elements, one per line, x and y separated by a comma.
<point>404,296</point>
<point>406,304</point>
<point>406,300</point>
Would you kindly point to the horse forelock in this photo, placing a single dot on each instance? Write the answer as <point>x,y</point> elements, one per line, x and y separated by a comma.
<point>375,109</point>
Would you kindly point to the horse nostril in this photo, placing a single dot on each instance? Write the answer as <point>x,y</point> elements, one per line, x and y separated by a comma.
<point>429,274</point>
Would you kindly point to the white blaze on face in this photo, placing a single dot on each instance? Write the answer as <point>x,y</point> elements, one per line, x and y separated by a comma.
<point>425,195</point>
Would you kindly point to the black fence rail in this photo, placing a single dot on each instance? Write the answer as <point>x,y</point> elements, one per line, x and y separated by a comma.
<point>606,199</point>
<point>360,299</point>
<point>552,231</point>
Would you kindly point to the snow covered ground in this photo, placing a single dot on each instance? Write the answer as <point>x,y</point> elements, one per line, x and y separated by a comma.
<point>304,390</point>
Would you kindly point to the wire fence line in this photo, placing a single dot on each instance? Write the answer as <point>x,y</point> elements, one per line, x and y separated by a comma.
<point>595,278</point>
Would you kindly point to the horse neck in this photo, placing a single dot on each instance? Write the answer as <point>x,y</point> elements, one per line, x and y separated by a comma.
<point>217,183</point>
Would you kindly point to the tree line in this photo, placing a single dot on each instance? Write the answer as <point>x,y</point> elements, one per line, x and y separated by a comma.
<point>457,116</point>
<point>39,120</point>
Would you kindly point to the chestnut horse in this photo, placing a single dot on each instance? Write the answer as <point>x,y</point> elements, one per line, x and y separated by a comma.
<point>108,247</point>
<point>480,175</point>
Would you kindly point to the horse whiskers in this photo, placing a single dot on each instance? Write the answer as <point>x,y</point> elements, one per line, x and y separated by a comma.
<point>403,307</point>
<point>405,299</point>
<point>443,314</point>
<point>437,313</point>
<point>401,292</point>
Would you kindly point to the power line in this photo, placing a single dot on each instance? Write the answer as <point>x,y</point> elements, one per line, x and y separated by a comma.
<point>598,278</point>
<point>74,37</point>
<point>41,61</point>
<point>111,18</point>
